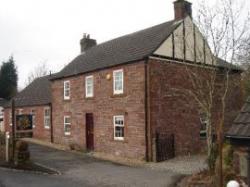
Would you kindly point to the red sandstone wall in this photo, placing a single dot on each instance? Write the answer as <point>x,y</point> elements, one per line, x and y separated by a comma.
<point>39,131</point>
<point>104,105</point>
<point>175,113</point>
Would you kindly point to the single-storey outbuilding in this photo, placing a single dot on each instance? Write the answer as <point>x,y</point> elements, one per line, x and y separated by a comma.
<point>34,100</point>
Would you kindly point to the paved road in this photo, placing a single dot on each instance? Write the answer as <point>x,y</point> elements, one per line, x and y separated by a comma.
<point>82,170</point>
<point>27,179</point>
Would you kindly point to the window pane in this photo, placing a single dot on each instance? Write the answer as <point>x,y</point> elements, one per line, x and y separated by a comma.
<point>67,128</point>
<point>119,121</point>
<point>119,131</point>
<point>67,120</point>
<point>47,122</point>
<point>66,85</point>
<point>47,112</point>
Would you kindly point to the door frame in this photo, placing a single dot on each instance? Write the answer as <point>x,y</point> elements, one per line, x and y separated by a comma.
<point>89,121</point>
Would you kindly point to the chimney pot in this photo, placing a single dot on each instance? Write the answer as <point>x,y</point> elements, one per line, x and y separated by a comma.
<point>87,43</point>
<point>182,8</point>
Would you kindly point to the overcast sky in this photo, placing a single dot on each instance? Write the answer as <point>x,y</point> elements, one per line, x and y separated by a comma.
<point>37,31</point>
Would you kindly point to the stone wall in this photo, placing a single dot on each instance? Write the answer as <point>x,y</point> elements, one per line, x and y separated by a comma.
<point>39,131</point>
<point>174,111</point>
<point>104,105</point>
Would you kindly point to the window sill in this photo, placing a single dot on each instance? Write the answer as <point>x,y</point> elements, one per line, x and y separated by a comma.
<point>67,134</point>
<point>47,128</point>
<point>89,98</point>
<point>66,99</point>
<point>118,95</point>
<point>203,135</point>
<point>120,140</point>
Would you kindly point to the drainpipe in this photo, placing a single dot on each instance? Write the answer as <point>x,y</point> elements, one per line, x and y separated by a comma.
<point>148,150</point>
<point>248,166</point>
<point>51,125</point>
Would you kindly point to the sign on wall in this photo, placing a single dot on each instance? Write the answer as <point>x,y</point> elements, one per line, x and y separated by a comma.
<point>24,122</point>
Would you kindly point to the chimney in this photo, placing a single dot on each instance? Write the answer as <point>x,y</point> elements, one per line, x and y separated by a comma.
<point>182,9</point>
<point>86,43</point>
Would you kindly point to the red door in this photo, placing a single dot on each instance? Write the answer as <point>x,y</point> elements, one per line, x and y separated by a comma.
<point>89,131</point>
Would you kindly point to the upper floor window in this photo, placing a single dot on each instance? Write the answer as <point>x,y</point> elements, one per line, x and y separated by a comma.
<point>66,90</point>
<point>46,118</point>
<point>119,127</point>
<point>89,86</point>
<point>118,81</point>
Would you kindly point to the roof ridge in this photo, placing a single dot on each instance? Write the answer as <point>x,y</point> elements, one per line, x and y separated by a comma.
<point>130,34</point>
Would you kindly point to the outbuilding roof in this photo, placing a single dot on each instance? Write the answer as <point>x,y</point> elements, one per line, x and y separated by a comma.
<point>241,125</point>
<point>37,93</point>
<point>3,102</point>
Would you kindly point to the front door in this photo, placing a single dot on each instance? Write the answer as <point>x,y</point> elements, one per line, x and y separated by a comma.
<point>89,131</point>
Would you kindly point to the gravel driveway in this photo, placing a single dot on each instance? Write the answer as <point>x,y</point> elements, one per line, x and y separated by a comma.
<point>185,165</point>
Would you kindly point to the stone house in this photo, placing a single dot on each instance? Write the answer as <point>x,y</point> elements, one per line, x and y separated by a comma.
<point>115,97</point>
<point>34,100</point>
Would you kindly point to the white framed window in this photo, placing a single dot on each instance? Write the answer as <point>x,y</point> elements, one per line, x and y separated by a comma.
<point>66,90</point>
<point>67,125</point>
<point>46,118</point>
<point>10,122</point>
<point>118,81</point>
<point>33,113</point>
<point>204,122</point>
<point>20,111</point>
<point>119,127</point>
<point>1,112</point>
<point>89,86</point>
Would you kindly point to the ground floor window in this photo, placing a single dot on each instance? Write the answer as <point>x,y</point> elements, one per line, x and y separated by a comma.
<point>47,118</point>
<point>119,127</point>
<point>67,125</point>
<point>10,118</point>
<point>204,121</point>
<point>20,111</point>
<point>33,113</point>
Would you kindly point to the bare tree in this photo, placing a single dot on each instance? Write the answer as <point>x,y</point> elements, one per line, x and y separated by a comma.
<point>224,26</point>
<point>244,58</point>
<point>39,71</point>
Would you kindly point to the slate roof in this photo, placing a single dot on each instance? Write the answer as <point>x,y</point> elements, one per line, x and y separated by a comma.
<point>224,64</point>
<point>128,48</point>
<point>241,125</point>
<point>38,92</point>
